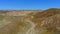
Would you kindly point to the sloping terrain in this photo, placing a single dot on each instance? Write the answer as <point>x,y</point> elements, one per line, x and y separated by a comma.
<point>30,22</point>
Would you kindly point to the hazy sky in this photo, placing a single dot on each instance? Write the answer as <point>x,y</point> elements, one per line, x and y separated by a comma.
<point>28,4</point>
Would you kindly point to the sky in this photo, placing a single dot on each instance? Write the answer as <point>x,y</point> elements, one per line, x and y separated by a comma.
<point>28,4</point>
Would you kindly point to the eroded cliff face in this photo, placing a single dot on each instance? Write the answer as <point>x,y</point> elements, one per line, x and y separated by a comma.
<point>45,22</point>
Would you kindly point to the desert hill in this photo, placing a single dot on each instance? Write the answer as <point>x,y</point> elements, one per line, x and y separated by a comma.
<point>30,21</point>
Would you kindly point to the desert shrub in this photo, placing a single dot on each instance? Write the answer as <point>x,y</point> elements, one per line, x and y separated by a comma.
<point>2,17</point>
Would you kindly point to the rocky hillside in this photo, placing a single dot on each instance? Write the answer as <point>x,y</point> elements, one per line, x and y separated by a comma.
<point>30,21</point>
